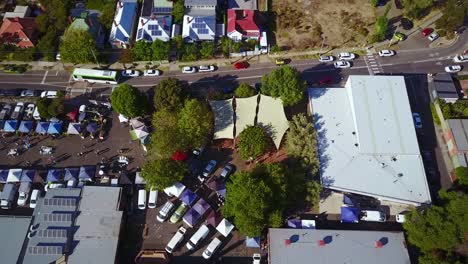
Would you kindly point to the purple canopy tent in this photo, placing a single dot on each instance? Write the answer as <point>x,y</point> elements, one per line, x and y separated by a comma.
<point>188,197</point>
<point>3,175</point>
<point>214,218</point>
<point>294,223</point>
<point>252,242</point>
<point>201,207</point>
<point>191,217</point>
<point>349,214</point>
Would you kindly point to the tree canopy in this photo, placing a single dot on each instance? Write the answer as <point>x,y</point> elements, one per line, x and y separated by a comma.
<point>207,50</point>
<point>161,50</point>
<point>453,17</point>
<point>142,51</point>
<point>129,101</point>
<point>462,175</point>
<point>284,82</point>
<point>195,122</point>
<point>166,138</point>
<point>48,107</point>
<point>381,28</point>
<point>244,90</point>
<point>77,46</point>
<point>253,142</point>
<point>178,11</point>
<point>301,141</point>
<point>169,94</point>
<point>161,173</point>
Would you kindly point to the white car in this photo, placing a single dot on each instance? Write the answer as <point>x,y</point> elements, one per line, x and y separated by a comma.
<point>29,109</point>
<point>417,120</point>
<point>346,56</point>
<point>206,68</point>
<point>49,94</point>
<point>460,58</point>
<point>209,168</point>
<point>386,53</point>
<point>342,64</point>
<point>189,69</point>
<point>151,72</point>
<point>211,248</point>
<point>176,239</point>
<point>433,36</point>
<point>130,73</point>
<point>28,93</point>
<point>325,58</point>
<point>256,258</point>
<point>453,68</point>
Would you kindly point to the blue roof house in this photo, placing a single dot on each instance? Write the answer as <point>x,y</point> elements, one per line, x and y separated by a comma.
<point>123,27</point>
<point>155,21</point>
<point>199,22</point>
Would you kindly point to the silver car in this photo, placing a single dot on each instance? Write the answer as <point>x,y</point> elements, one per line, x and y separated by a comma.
<point>209,168</point>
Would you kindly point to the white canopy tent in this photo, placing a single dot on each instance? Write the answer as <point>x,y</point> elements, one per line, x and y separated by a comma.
<point>123,119</point>
<point>14,175</point>
<point>175,190</point>
<point>271,117</point>
<point>245,112</point>
<point>224,118</point>
<point>225,227</point>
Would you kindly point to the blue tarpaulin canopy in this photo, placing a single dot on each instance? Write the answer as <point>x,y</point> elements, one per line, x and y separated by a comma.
<point>3,175</point>
<point>191,217</point>
<point>54,175</point>
<point>91,128</point>
<point>27,175</point>
<point>10,126</point>
<point>25,126</point>
<point>86,173</point>
<point>188,197</point>
<point>42,127</point>
<point>201,207</point>
<point>349,214</point>
<point>71,173</point>
<point>55,128</point>
<point>295,223</point>
<point>252,242</point>
<point>74,129</point>
<point>347,200</point>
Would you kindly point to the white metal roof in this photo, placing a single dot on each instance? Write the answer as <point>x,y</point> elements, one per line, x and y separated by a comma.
<point>245,113</point>
<point>366,139</point>
<point>271,115</point>
<point>224,118</point>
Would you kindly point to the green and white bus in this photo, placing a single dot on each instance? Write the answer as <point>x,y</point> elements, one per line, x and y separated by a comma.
<point>95,76</point>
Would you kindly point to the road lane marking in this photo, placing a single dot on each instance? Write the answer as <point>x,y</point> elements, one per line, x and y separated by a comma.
<point>45,76</point>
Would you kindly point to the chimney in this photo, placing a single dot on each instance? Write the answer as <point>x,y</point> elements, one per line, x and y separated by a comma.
<point>120,4</point>
<point>188,20</point>
<point>115,23</point>
<point>142,22</point>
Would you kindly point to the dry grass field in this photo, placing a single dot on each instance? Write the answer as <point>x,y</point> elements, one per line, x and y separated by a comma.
<point>301,24</point>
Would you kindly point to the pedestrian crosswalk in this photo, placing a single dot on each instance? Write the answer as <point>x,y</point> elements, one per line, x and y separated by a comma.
<point>372,64</point>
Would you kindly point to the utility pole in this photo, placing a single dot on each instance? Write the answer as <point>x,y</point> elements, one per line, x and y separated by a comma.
<point>323,41</point>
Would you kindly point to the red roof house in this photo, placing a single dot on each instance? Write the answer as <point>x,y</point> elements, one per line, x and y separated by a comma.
<point>21,32</point>
<point>242,24</point>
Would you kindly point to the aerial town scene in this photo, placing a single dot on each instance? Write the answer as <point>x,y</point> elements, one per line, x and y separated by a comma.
<point>234,131</point>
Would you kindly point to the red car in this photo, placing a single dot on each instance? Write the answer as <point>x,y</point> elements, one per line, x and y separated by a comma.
<point>326,80</point>
<point>425,32</point>
<point>241,65</point>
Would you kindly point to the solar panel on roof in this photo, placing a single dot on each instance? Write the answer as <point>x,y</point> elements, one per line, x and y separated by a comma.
<point>199,25</point>
<point>162,10</point>
<point>202,31</point>
<point>58,217</point>
<point>60,202</point>
<point>140,33</point>
<point>153,27</point>
<point>199,20</point>
<point>52,233</point>
<point>45,250</point>
<point>156,32</point>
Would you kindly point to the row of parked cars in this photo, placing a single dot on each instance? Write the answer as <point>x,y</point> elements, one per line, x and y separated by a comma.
<point>19,193</point>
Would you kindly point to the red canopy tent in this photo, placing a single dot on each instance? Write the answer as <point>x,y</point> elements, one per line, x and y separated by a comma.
<point>73,115</point>
<point>179,156</point>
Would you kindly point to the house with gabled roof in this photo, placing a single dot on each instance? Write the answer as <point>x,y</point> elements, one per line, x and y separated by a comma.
<point>123,26</point>
<point>155,21</point>
<point>87,21</point>
<point>199,23</point>
<point>243,24</point>
<point>20,32</point>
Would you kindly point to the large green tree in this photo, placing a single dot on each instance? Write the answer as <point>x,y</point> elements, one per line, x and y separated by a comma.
<point>77,46</point>
<point>454,15</point>
<point>253,142</point>
<point>169,94</point>
<point>129,101</point>
<point>161,50</point>
<point>142,51</point>
<point>244,90</point>
<point>286,83</point>
<point>207,50</point>
<point>462,175</point>
<point>166,138</point>
<point>49,108</point>
<point>47,45</point>
<point>195,122</point>
<point>161,173</point>
<point>301,141</point>
<point>178,11</point>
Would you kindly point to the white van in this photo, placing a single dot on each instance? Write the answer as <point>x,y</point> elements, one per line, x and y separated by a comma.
<point>374,216</point>
<point>165,211</point>
<point>36,114</point>
<point>176,239</point>
<point>34,197</point>
<point>142,199</point>
<point>201,233</point>
<point>153,198</point>
<point>211,248</point>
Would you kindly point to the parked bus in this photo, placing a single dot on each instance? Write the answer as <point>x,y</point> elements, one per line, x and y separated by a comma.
<point>96,76</point>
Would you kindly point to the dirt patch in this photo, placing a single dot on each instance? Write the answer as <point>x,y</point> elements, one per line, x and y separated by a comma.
<point>303,24</point>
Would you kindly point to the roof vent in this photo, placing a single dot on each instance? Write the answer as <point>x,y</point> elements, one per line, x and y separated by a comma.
<point>400,174</point>
<point>354,133</point>
<point>356,144</point>
<point>383,165</point>
<point>31,234</point>
<point>394,159</point>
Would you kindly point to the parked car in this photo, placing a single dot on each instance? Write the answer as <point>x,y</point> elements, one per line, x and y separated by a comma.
<point>211,248</point>
<point>280,61</point>
<point>453,68</point>
<point>24,189</point>
<point>49,94</point>
<point>401,217</point>
<point>406,24</point>
<point>28,93</point>
<point>373,216</point>
<point>153,198</point>
<point>151,72</point>
<point>18,111</point>
<point>209,168</point>
<point>189,69</point>
<point>426,32</point>
<point>179,213</point>
<point>386,53</point>
<point>346,56</point>
<point>9,92</point>
<point>36,115</point>
<point>176,239</point>
<point>198,151</point>
<point>6,111</point>
<point>399,36</point>
<point>142,199</point>
<point>130,73</point>
<point>29,110</point>
<point>326,58</point>
<point>241,65</point>
<point>417,120</point>
<point>197,237</point>
<point>460,58</point>
<point>228,169</point>
<point>342,64</point>
<point>433,36</point>
<point>256,258</point>
<point>8,195</point>
<point>165,211</point>
<point>206,68</point>
<point>34,196</point>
